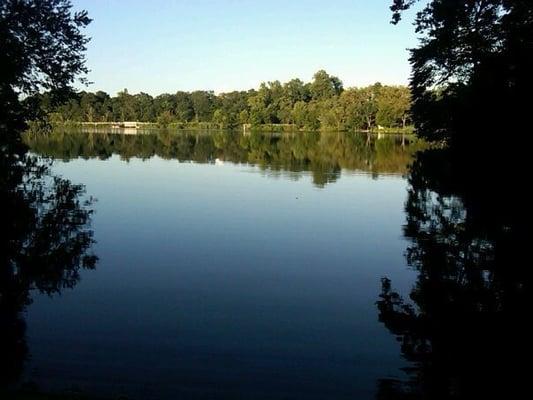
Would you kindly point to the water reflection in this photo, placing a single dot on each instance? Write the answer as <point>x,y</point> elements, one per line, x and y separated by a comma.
<point>464,326</point>
<point>45,243</point>
<point>217,282</point>
<point>324,154</point>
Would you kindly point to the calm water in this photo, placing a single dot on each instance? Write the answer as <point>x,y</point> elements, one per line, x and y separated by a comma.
<point>229,266</point>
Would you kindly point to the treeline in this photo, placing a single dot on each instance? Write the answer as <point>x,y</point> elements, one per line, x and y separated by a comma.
<point>322,103</point>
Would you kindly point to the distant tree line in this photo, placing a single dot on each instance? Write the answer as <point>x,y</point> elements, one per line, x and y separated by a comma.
<point>322,103</point>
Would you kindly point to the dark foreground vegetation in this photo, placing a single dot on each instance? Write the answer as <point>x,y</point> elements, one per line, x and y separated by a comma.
<point>46,236</point>
<point>471,73</point>
<point>463,326</point>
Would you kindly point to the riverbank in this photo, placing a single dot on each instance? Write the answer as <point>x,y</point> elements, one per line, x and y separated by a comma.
<point>129,127</point>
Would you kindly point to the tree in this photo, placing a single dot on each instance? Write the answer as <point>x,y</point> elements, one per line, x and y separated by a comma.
<point>366,105</point>
<point>299,114</point>
<point>89,106</point>
<point>244,117</point>
<point>295,90</point>
<point>144,107</point>
<point>258,104</point>
<point>394,103</point>
<point>231,104</point>
<point>332,115</point>
<point>43,47</point>
<point>184,107</point>
<point>325,86</point>
<point>202,103</point>
<point>45,240</point>
<point>220,118</point>
<point>164,119</point>
<point>164,103</point>
<point>265,104</point>
<point>474,60</point>
<point>125,108</point>
<point>349,101</point>
<point>272,103</point>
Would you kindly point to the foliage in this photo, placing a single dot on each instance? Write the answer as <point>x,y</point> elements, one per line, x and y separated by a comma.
<point>46,237</point>
<point>42,49</point>
<point>472,68</point>
<point>320,104</point>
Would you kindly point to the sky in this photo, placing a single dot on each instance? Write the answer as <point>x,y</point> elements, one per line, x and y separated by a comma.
<point>162,46</point>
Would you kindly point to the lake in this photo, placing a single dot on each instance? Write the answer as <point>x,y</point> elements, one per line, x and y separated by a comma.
<point>229,266</point>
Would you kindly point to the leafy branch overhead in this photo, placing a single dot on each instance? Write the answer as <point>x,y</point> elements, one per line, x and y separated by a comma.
<point>474,59</point>
<point>43,45</point>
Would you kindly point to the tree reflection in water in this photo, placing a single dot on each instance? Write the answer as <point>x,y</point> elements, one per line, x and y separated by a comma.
<point>45,243</point>
<point>464,329</point>
<point>324,154</point>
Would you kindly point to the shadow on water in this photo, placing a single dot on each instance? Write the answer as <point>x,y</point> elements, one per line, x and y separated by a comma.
<point>463,328</point>
<point>45,243</point>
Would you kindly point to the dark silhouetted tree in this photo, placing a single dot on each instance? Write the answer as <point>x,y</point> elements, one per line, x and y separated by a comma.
<point>42,48</point>
<point>471,72</point>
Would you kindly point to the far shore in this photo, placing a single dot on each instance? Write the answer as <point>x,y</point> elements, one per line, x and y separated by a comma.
<point>132,127</point>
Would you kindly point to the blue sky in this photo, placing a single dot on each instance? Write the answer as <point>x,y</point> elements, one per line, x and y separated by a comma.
<point>161,46</point>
